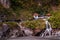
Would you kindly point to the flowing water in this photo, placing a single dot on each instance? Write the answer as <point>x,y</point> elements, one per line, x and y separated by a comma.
<point>48,29</point>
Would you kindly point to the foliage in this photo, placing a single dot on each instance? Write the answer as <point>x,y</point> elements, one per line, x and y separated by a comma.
<point>55,19</point>
<point>10,24</point>
<point>6,13</point>
<point>40,6</point>
<point>10,14</point>
<point>25,15</point>
<point>35,23</point>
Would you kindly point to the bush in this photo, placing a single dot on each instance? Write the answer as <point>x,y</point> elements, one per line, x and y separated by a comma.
<point>35,23</point>
<point>6,13</point>
<point>25,15</point>
<point>55,19</point>
<point>10,24</point>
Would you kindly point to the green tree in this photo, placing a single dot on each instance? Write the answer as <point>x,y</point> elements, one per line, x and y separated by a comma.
<point>6,13</point>
<point>55,19</point>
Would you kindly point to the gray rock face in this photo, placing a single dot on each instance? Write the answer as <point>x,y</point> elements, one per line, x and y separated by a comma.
<point>58,33</point>
<point>5,27</point>
<point>28,32</point>
<point>1,33</point>
<point>14,33</point>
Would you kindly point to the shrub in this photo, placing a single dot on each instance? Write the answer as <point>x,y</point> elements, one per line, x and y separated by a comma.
<point>12,24</point>
<point>35,23</point>
<point>25,15</point>
<point>55,19</point>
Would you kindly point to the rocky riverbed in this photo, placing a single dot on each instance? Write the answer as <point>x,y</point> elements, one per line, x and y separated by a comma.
<point>33,38</point>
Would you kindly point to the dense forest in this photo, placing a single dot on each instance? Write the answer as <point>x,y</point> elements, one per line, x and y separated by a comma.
<point>24,9</point>
<point>29,6</point>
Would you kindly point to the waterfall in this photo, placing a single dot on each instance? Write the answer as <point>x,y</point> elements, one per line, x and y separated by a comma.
<point>48,28</point>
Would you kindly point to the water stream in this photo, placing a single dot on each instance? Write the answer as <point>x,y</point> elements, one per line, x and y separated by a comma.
<point>48,29</point>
